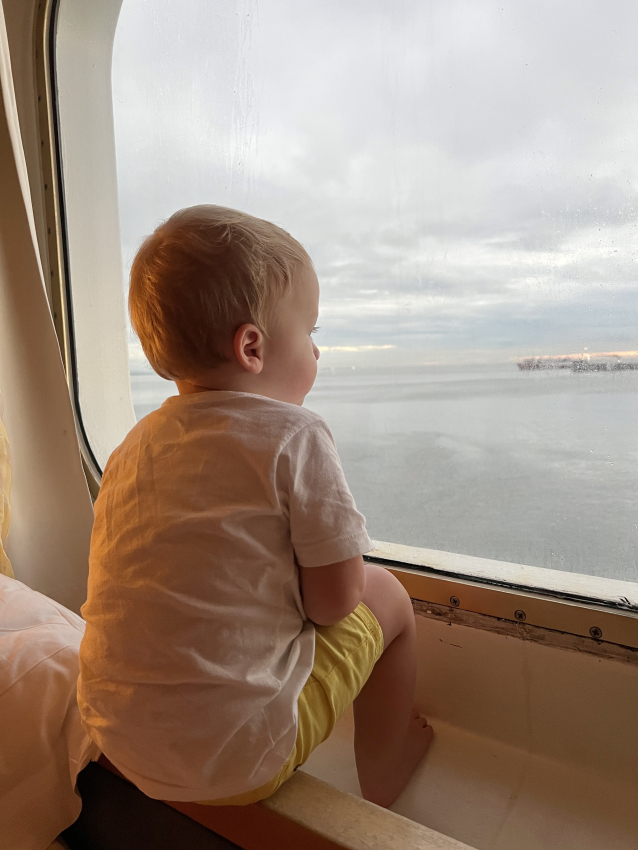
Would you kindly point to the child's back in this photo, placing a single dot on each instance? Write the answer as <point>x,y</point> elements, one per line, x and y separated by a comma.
<point>196,642</point>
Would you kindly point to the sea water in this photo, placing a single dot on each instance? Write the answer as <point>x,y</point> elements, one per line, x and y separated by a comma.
<point>537,468</point>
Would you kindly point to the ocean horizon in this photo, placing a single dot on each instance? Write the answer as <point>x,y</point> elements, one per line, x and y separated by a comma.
<point>533,467</point>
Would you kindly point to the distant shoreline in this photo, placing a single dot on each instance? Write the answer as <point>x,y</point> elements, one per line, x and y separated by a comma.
<point>599,361</point>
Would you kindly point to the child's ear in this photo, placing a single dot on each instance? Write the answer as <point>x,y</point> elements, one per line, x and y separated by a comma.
<point>248,345</point>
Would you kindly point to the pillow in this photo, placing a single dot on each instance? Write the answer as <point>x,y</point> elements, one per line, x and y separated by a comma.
<point>43,745</point>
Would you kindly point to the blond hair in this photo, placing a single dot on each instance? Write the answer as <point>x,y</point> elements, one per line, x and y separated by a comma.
<point>199,276</point>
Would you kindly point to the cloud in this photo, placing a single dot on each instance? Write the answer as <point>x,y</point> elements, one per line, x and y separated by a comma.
<point>464,174</point>
<point>331,348</point>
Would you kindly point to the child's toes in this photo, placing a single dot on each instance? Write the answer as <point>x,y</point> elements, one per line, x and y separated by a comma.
<point>418,720</point>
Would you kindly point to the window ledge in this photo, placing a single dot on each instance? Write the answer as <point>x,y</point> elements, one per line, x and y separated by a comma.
<point>601,610</point>
<point>574,587</point>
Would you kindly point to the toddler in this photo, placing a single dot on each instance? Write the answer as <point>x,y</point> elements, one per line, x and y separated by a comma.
<point>230,617</point>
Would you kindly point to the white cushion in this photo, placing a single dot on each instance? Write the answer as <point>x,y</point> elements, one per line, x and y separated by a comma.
<point>43,745</point>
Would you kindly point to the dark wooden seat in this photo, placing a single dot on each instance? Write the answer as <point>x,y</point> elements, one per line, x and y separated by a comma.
<point>117,816</point>
<point>253,827</point>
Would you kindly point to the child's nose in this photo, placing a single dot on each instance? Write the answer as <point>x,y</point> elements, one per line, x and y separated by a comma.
<point>317,352</point>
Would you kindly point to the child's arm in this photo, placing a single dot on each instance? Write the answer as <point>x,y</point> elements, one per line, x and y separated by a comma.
<point>332,592</point>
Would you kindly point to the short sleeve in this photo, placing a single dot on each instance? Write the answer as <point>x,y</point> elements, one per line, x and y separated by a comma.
<point>325,525</point>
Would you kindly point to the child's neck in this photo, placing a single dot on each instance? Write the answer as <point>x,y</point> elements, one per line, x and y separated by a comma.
<point>225,378</point>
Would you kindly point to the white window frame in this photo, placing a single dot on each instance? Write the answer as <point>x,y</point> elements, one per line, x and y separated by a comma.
<point>80,49</point>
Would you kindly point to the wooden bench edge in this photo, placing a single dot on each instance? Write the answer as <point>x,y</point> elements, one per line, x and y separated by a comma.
<point>309,814</point>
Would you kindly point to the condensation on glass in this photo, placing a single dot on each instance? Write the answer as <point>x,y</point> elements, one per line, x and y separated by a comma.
<point>465,177</point>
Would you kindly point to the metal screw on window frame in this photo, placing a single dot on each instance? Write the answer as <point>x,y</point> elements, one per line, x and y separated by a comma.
<point>596,633</point>
<point>520,615</point>
<point>455,601</point>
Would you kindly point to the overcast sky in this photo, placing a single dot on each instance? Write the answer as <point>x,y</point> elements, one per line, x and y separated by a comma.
<point>464,174</point>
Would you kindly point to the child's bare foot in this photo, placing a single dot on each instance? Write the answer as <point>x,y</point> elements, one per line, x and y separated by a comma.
<point>383,780</point>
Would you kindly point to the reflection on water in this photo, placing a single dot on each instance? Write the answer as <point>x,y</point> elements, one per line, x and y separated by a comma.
<point>535,467</point>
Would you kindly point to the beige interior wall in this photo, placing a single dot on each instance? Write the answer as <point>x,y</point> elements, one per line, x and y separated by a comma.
<point>51,506</point>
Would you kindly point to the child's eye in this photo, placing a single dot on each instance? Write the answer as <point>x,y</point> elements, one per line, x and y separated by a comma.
<point>315,329</point>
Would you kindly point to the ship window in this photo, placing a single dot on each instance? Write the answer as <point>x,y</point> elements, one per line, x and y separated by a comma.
<point>465,177</point>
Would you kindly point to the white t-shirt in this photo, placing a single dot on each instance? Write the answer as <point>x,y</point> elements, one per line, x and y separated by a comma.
<point>196,644</point>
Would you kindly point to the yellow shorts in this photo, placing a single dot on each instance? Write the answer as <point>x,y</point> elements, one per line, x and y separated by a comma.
<point>344,657</point>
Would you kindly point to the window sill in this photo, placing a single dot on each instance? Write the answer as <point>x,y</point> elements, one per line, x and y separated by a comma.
<point>603,610</point>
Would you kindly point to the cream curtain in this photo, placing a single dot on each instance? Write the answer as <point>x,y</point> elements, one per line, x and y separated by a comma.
<point>51,507</point>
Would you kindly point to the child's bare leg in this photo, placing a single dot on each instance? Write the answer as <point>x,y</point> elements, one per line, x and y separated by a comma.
<point>390,738</point>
